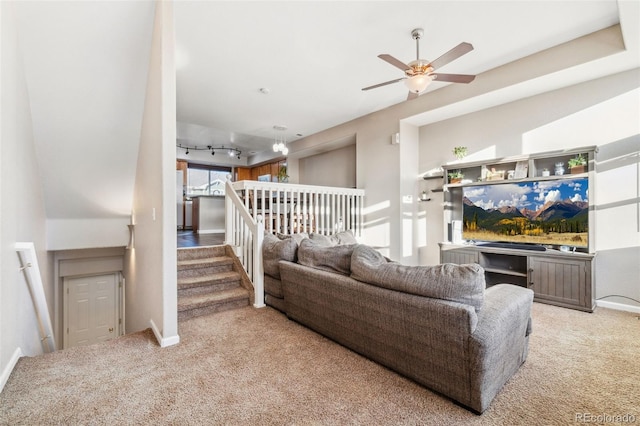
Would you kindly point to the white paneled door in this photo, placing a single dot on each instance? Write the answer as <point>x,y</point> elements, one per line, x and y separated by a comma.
<point>90,309</point>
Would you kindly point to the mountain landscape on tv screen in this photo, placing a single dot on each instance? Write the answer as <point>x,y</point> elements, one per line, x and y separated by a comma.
<point>528,213</point>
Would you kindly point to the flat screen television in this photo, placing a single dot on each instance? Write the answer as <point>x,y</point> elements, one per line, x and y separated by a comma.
<point>546,213</point>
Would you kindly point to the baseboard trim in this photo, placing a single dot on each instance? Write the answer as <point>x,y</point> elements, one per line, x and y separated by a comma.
<point>17,354</point>
<point>618,306</point>
<point>163,341</point>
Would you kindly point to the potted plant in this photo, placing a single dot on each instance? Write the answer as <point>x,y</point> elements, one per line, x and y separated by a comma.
<point>577,164</point>
<point>455,176</point>
<point>282,174</point>
<point>460,152</point>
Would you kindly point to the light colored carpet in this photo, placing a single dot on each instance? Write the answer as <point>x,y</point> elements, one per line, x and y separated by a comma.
<point>254,366</point>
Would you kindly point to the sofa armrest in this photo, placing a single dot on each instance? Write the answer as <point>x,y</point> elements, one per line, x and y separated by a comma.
<point>499,344</point>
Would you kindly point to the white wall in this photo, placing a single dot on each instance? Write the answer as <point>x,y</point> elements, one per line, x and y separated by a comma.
<point>602,112</point>
<point>150,267</point>
<point>408,193</point>
<point>333,168</point>
<point>77,233</point>
<point>22,214</point>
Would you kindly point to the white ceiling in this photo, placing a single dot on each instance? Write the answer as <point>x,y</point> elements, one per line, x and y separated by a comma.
<point>315,57</point>
<point>86,64</point>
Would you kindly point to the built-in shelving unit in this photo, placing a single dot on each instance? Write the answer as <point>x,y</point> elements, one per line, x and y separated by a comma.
<point>556,277</point>
<point>531,167</point>
<point>434,177</point>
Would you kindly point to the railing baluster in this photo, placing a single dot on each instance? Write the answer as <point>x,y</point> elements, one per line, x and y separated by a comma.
<point>321,214</point>
<point>270,221</point>
<point>349,211</point>
<point>305,212</point>
<point>298,211</point>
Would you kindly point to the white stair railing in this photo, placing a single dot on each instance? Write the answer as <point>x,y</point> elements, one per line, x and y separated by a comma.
<point>29,262</point>
<point>291,208</point>
<point>253,207</point>
<point>245,233</point>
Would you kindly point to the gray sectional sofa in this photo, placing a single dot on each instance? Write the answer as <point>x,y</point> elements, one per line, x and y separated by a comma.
<point>437,325</point>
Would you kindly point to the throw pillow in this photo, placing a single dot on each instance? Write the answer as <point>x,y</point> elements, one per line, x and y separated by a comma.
<point>275,250</point>
<point>457,283</point>
<point>332,259</point>
<point>297,237</point>
<point>344,237</point>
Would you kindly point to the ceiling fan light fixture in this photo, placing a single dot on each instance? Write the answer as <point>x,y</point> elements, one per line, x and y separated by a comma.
<point>418,74</point>
<point>418,83</point>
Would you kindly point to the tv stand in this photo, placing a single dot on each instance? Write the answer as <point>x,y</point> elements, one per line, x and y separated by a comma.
<point>557,278</point>
<point>518,246</point>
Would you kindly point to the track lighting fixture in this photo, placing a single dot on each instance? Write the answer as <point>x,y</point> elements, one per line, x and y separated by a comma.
<point>231,152</point>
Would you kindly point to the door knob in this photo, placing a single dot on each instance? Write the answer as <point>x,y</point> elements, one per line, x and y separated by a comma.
<point>110,329</point>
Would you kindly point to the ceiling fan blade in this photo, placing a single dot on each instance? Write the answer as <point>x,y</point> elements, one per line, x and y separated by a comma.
<point>384,84</point>
<point>393,61</point>
<point>451,55</point>
<point>454,78</point>
<point>412,95</point>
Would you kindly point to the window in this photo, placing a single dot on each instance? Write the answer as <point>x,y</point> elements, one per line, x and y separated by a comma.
<point>206,180</point>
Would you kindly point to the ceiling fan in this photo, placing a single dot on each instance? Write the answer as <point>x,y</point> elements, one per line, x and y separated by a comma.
<point>419,73</point>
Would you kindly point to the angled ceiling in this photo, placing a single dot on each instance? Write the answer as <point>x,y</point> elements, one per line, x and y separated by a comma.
<point>86,65</point>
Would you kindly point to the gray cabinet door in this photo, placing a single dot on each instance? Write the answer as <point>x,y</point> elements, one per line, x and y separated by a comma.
<point>561,281</point>
<point>458,256</point>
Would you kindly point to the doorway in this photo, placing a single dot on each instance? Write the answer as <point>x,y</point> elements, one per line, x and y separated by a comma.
<point>91,309</point>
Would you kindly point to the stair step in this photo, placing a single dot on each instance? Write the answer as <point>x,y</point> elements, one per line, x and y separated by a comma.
<point>188,253</point>
<point>204,262</point>
<point>192,306</point>
<point>218,279</point>
<point>204,267</point>
<point>208,281</point>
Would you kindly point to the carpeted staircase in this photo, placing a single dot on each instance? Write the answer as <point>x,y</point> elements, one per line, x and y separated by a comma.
<point>210,279</point>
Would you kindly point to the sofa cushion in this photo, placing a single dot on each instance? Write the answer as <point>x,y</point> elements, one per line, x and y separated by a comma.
<point>344,237</point>
<point>275,250</point>
<point>457,283</point>
<point>332,259</point>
